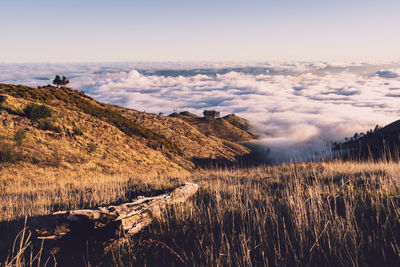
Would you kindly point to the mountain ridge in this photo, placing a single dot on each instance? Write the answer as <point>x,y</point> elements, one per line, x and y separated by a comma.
<point>83,130</point>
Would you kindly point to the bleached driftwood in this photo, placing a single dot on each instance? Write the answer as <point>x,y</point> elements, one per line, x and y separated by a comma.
<point>110,220</point>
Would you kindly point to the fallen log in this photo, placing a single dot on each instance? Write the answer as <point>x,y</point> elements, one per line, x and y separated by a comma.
<point>104,223</point>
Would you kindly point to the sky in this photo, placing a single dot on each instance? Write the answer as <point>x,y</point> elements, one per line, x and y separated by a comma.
<point>186,30</point>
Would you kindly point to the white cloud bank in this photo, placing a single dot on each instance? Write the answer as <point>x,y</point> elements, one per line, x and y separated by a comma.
<point>296,108</point>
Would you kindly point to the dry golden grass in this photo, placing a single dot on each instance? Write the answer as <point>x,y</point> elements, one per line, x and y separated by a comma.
<point>329,214</point>
<point>28,190</point>
<point>311,214</point>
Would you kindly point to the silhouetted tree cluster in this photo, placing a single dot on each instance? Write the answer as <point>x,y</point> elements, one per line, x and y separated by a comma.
<point>358,136</point>
<point>211,114</point>
<point>60,82</point>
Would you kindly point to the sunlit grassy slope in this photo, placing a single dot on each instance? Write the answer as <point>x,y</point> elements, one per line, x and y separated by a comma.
<point>64,127</point>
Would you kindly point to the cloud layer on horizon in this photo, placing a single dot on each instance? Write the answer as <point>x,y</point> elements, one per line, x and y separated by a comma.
<point>296,108</point>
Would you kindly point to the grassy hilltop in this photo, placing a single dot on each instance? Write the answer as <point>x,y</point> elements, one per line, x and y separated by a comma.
<point>62,150</point>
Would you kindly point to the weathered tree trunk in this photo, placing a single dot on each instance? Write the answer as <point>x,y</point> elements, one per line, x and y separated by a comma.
<point>108,222</point>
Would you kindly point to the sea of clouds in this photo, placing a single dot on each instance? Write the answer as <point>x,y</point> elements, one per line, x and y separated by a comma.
<point>295,108</point>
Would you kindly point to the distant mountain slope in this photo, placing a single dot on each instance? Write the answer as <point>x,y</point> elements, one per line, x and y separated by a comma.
<point>380,142</point>
<point>80,130</point>
<point>189,137</point>
<point>230,127</point>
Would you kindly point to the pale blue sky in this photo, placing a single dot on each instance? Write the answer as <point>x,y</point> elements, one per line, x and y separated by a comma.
<point>150,30</point>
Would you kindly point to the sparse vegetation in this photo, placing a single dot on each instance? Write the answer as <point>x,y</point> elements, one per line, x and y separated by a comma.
<point>8,154</point>
<point>48,125</point>
<point>77,131</point>
<point>19,136</point>
<point>91,148</point>
<point>55,159</point>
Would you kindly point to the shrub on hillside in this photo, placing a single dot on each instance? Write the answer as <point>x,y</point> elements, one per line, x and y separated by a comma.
<point>8,154</point>
<point>36,112</point>
<point>47,125</point>
<point>77,131</point>
<point>19,136</point>
<point>91,148</point>
<point>55,159</point>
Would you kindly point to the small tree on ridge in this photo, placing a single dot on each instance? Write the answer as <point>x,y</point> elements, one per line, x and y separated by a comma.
<point>211,114</point>
<point>59,82</point>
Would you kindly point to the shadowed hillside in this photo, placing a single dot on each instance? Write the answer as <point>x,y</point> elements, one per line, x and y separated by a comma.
<point>378,143</point>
